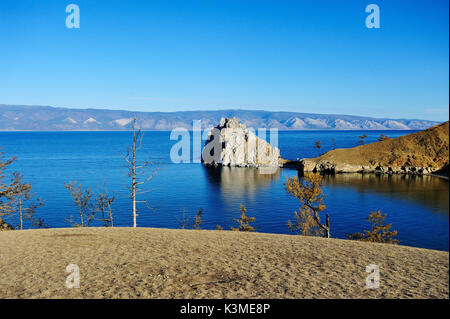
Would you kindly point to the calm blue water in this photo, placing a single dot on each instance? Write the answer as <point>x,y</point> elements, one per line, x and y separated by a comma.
<point>418,207</point>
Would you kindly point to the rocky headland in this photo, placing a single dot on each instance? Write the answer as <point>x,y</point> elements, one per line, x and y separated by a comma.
<point>424,152</point>
<point>232,144</point>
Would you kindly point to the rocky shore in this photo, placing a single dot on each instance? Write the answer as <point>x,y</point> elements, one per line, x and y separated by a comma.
<point>333,167</point>
<point>422,153</point>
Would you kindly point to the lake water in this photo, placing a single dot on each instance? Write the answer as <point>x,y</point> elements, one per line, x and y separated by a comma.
<point>418,207</point>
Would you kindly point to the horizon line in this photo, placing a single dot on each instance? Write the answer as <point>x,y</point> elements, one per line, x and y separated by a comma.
<point>218,110</point>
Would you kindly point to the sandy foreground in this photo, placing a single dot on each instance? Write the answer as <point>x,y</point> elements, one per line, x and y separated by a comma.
<point>165,263</point>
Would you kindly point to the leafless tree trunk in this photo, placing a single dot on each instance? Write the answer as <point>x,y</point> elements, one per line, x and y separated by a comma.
<point>110,213</point>
<point>316,217</point>
<point>20,212</point>
<point>82,198</point>
<point>22,201</point>
<point>104,206</point>
<point>136,171</point>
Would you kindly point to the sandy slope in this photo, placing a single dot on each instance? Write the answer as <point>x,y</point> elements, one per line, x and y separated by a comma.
<point>162,263</point>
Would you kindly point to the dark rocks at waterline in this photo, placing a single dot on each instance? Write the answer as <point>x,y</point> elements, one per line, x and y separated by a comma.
<point>306,165</point>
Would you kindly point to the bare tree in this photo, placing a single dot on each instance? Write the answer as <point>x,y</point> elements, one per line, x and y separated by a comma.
<point>186,222</point>
<point>22,202</point>
<point>104,207</point>
<point>82,198</point>
<point>138,172</point>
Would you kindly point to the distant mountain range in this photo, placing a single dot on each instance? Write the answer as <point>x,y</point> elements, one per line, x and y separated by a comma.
<point>46,118</point>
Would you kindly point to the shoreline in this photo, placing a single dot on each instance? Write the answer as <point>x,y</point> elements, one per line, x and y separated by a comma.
<point>293,164</point>
<point>174,263</point>
<point>214,230</point>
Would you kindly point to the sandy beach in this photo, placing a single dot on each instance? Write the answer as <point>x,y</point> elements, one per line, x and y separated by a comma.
<point>166,263</point>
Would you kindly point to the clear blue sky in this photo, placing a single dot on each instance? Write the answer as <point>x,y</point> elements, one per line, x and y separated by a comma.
<point>165,55</point>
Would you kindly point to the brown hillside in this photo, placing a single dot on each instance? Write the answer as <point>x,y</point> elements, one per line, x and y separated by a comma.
<point>424,149</point>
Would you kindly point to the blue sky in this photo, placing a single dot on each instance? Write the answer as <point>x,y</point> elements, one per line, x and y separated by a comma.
<point>306,56</point>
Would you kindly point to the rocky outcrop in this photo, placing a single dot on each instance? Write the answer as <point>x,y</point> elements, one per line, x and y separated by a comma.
<point>233,144</point>
<point>332,167</point>
<point>424,152</point>
<point>5,226</point>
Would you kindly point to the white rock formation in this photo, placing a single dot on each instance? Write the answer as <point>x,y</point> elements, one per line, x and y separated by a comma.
<point>233,144</point>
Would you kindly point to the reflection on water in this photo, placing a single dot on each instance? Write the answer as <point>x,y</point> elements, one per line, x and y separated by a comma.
<point>417,206</point>
<point>429,191</point>
<point>240,181</point>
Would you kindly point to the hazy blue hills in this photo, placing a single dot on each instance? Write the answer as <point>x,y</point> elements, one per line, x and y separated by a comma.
<point>46,118</point>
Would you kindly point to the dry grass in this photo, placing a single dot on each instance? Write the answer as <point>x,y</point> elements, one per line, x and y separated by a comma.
<point>163,263</point>
<point>428,148</point>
